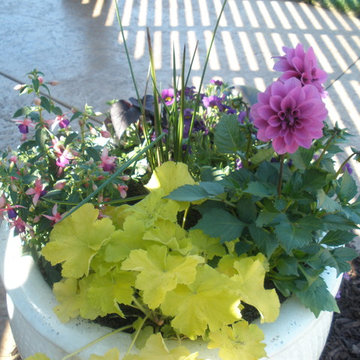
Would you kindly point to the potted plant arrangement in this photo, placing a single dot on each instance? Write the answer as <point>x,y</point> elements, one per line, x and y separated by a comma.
<point>186,216</point>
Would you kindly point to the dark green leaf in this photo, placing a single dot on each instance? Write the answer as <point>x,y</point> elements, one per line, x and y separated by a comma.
<point>338,258</point>
<point>314,179</point>
<point>317,298</point>
<point>75,115</point>
<point>302,158</point>
<point>262,155</point>
<point>228,136</point>
<point>57,111</point>
<point>260,189</point>
<point>265,241</point>
<point>287,265</point>
<point>45,103</point>
<point>337,222</point>
<point>242,247</point>
<point>19,113</point>
<point>70,138</point>
<point>249,94</point>
<point>338,237</point>
<point>41,136</point>
<point>246,210</point>
<point>348,188</point>
<point>220,223</point>
<point>267,218</point>
<point>93,153</point>
<point>205,190</point>
<point>324,202</point>
<point>36,84</point>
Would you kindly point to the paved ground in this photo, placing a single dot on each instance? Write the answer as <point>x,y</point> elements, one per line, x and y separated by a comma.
<point>77,42</point>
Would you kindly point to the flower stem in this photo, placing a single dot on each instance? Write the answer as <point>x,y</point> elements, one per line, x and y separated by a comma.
<point>136,335</point>
<point>96,341</point>
<point>344,163</point>
<point>279,185</point>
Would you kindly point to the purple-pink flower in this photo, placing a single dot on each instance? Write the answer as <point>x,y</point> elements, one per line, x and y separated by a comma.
<point>108,163</point>
<point>37,191</point>
<point>301,65</point>
<point>289,114</point>
<point>212,101</point>
<point>168,96</point>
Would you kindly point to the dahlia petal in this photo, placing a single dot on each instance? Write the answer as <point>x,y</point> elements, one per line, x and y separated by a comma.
<point>265,112</point>
<point>272,132</point>
<point>279,145</point>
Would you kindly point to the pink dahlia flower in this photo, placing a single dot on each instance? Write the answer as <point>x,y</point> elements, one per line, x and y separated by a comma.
<point>301,65</point>
<point>290,114</point>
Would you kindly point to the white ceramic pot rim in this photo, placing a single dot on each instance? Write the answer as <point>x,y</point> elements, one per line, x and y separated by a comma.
<point>28,293</point>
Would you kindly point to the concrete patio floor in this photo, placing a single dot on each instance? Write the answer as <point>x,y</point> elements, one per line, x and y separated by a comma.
<point>77,43</point>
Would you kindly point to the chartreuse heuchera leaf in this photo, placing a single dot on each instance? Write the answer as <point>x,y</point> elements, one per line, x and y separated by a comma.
<point>209,301</point>
<point>156,349</point>
<point>38,356</point>
<point>160,272</point>
<point>139,257</point>
<point>76,240</point>
<point>112,354</point>
<point>240,341</point>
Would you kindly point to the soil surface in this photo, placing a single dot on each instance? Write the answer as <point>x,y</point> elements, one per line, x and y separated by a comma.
<point>343,342</point>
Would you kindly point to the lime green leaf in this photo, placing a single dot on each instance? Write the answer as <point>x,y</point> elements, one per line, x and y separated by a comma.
<point>170,176</point>
<point>170,234</point>
<point>112,354</point>
<point>220,223</point>
<point>205,245</point>
<point>249,282</point>
<point>160,272</point>
<point>210,301</point>
<point>239,342</point>
<point>37,356</point>
<point>228,136</point>
<point>67,294</point>
<point>75,241</point>
<point>156,349</point>
<point>117,214</point>
<point>104,293</point>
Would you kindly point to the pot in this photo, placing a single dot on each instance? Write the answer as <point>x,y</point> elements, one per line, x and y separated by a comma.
<point>295,335</point>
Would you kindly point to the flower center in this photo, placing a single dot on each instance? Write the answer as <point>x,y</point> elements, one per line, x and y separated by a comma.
<point>289,118</point>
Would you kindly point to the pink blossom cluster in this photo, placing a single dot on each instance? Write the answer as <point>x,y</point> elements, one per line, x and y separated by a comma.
<point>290,112</point>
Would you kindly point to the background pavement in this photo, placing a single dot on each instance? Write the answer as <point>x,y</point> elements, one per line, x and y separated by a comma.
<point>77,43</point>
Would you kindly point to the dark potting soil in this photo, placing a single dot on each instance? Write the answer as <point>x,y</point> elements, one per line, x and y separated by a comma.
<point>343,342</point>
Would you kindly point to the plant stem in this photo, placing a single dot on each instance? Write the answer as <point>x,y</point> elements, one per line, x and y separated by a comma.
<point>328,143</point>
<point>96,341</point>
<point>343,164</point>
<point>136,335</point>
<point>279,185</point>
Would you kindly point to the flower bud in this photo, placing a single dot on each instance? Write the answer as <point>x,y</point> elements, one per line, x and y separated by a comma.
<point>37,101</point>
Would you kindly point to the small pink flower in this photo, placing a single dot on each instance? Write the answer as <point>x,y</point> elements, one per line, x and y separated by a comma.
<point>289,114</point>
<point>108,163</point>
<point>19,87</point>
<point>122,190</point>
<point>2,201</point>
<point>41,79</point>
<point>24,125</point>
<point>59,185</point>
<point>105,134</point>
<point>56,216</point>
<point>13,159</point>
<point>19,224</point>
<point>36,191</point>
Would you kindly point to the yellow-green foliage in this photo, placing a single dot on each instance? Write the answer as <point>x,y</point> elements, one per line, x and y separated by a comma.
<point>141,256</point>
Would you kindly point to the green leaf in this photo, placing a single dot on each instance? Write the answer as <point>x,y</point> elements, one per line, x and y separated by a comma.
<point>292,235</point>
<point>262,155</point>
<point>70,138</point>
<point>302,158</point>
<point>314,179</point>
<point>249,94</point>
<point>259,189</point>
<point>205,190</point>
<point>266,241</point>
<point>337,237</point>
<point>221,224</point>
<point>19,112</point>
<point>75,115</point>
<point>92,152</point>
<point>317,298</point>
<point>36,84</point>
<point>324,202</point>
<point>337,222</point>
<point>228,136</point>
<point>338,258</point>
<point>287,265</point>
<point>45,103</point>
<point>246,210</point>
<point>57,111</point>
<point>41,137</point>
<point>348,188</point>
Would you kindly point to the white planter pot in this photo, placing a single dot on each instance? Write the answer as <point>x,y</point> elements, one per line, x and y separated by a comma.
<point>295,335</point>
